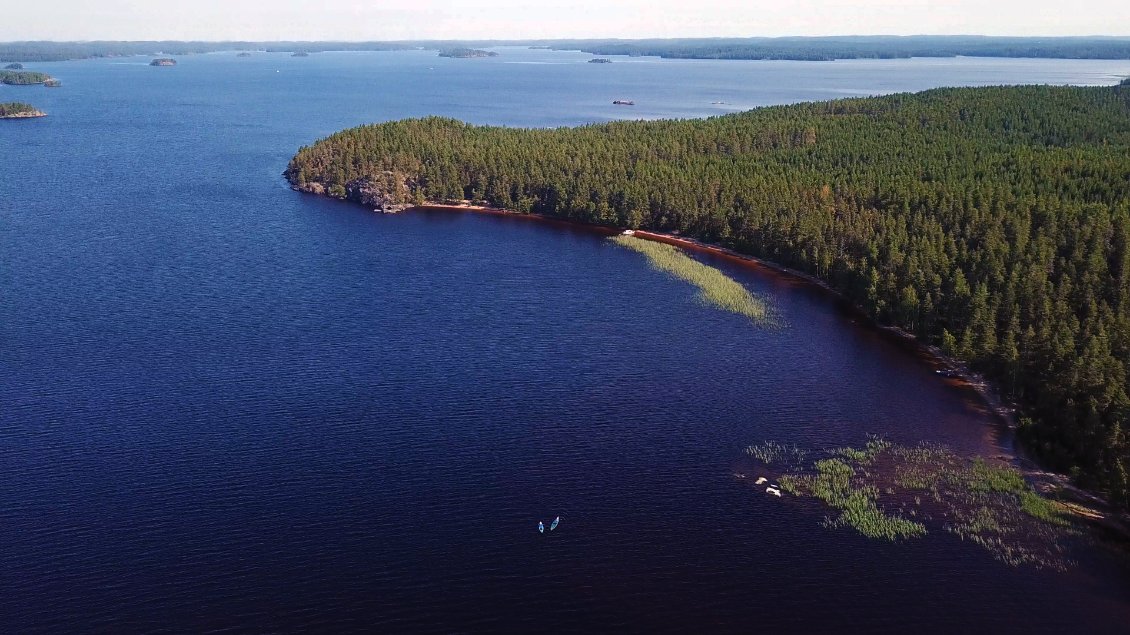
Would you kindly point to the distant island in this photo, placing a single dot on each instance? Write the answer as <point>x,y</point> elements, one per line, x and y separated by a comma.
<point>19,110</point>
<point>243,54</point>
<point>466,53</point>
<point>163,61</point>
<point>761,48</point>
<point>600,60</point>
<point>990,223</point>
<point>300,54</point>
<point>23,78</point>
<point>14,66</point>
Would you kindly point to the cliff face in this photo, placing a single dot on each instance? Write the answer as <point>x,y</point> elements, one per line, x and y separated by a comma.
<point>387,192</point>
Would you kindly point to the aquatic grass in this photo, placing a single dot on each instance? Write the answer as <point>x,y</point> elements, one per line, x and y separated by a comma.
<point>1046,510</point>
<point>894,492</point>
<point>771,453</point>
<point>714,287</point>
<point>832,483</point>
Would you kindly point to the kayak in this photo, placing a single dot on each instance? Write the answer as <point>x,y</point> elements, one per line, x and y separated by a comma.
<point>553,525</point>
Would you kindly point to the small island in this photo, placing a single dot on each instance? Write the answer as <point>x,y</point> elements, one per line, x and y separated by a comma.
<point>19,110</point>
<point>243,54</point>
<point>467,53</point>
<point>300,54</point>
<point>14,66</point>
<point>22,78</point>
<point>163,61</point>
<point>600,60</point>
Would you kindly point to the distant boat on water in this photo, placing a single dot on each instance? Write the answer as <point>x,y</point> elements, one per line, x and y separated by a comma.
<point>623,102</point>
<point>541,527</point>
<point>553,525</point>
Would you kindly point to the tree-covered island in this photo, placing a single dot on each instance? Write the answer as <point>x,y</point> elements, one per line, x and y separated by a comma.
<point>19,110</point>
<point>992,222</point>
<point>163,61</point>
<point>465,53</point>
<point>22,78</point>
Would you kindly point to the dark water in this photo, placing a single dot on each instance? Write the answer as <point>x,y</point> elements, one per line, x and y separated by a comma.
<point>225,405</point>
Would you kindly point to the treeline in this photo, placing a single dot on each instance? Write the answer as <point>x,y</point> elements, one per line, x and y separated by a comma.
<point>860,47</point>
<point>45,51</point>
<point>781,48</point>
<point>994,222</point>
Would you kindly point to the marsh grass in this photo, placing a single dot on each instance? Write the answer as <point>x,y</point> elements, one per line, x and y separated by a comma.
<point>714,287</point>
<point>896,492</point>
<point>771,453</point>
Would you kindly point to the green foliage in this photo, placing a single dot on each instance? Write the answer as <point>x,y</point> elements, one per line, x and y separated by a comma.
<point>22,78</point>
<point>714,287</point>
<point>879,489</point>
<point>992,221</point>
<point>833,483</point>
<point>466,53</point>
<point>772,453</point>
<point>989,478</point>
<point>15,108</point>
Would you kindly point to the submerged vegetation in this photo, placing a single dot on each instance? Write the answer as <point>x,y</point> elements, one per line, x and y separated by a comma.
<point>898,492</point>
<point>991,222</point>
<point>714,287</point>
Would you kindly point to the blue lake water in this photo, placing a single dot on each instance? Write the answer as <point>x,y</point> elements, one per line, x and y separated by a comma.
<point>226,405</point>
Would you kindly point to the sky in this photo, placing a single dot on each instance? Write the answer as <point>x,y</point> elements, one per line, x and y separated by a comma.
<point>358,20</point>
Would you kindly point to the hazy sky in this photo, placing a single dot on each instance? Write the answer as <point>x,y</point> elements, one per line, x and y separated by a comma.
<point>484,19</point>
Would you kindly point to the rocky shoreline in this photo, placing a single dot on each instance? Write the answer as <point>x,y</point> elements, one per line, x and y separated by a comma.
<point>25,115</point>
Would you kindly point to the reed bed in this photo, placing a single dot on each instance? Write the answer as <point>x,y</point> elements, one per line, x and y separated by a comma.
<point>895,492</point>
<point>714,287</point>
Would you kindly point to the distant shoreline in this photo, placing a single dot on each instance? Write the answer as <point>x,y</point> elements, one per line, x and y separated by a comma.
<point>820,48</point>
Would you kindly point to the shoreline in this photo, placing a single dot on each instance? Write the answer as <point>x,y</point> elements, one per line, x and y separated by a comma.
<point>954,369</point>
<point>25,115</point>
<point>1086,507</point>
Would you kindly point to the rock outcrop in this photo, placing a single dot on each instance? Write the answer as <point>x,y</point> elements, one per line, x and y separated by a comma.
<point>387,192</point>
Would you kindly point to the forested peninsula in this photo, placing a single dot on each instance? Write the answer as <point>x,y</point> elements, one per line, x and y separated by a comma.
<point>992,222</point>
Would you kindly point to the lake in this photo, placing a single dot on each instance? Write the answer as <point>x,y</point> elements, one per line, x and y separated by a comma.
<point>227,405</point>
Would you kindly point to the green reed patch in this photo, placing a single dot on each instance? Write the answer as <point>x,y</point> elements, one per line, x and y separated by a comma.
<point>895,492</point>
<point>714,287</point>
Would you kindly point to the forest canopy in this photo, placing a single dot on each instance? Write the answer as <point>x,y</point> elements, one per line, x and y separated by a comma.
<point>993,222</point>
